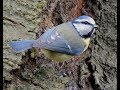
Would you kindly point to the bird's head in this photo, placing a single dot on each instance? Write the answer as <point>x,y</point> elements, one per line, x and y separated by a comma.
<point>85,25</point>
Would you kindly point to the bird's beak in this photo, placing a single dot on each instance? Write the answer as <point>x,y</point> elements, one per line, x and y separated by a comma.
<point>95,26</point>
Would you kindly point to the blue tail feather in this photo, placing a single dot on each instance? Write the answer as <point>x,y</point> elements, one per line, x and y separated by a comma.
<point>19,46</point>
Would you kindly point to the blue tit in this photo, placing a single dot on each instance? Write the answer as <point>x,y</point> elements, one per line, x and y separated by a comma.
<point>62,42</point>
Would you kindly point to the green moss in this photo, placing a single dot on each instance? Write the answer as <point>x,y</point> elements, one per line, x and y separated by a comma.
<point>41,5</point>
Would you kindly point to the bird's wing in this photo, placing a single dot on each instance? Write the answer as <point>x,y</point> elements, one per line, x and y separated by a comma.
<point>53,40</point>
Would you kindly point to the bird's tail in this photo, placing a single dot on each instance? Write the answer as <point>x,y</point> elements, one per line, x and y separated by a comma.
<point>19,46</point>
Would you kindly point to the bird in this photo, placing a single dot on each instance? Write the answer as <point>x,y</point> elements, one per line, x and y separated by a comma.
<point>60,43</point>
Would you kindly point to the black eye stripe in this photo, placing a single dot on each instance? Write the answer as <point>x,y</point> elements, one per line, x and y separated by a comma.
<point>85,22</point>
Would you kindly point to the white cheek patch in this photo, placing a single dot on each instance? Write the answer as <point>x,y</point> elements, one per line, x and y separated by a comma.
<point>82,28</point>
<point>79,26</point>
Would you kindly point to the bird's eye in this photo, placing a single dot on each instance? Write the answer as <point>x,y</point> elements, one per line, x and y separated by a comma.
<point>85,22</point>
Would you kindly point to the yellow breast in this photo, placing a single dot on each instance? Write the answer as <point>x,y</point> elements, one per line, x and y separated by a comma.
<point>86,41</point>
<point>56,56</point>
